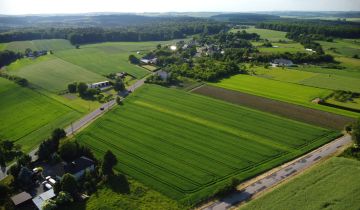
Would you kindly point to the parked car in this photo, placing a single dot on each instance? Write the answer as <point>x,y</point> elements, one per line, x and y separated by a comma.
<point>102,108</point>
<point>50,180</point>
<point>47,185</point>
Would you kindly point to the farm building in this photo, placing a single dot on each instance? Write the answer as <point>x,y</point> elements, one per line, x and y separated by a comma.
<point>148,61</point>
<point>163,74</point>
<point>121,74</point>
<point>40,199</point>
<point>21,199</point>
<point>99,84</point>
<point>282,62</point>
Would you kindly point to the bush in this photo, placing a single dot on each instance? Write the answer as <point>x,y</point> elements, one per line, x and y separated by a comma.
<point>72,87</point>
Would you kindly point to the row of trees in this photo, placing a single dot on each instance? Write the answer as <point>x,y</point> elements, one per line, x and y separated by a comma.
<point>325,28</point>
<point>18,80</point>
<point>7,57</point>
<point>155,32</point>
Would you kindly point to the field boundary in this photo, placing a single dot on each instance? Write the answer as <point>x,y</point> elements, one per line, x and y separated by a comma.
<point>291,111</point>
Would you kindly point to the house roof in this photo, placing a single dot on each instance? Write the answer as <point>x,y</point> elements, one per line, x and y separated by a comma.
<point>282,61</point>
<point>40,199</point>
<point>20,198</point>
<point>78,165</point>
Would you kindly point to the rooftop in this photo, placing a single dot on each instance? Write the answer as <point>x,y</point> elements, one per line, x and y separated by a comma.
<point>20,198</point>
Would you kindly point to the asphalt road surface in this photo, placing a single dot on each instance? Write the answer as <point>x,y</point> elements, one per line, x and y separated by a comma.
<point>81,123</point>
<point>282,174</point>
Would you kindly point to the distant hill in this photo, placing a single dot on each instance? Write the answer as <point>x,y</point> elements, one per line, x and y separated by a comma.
<point>89,20</point>
<point>244,17</point>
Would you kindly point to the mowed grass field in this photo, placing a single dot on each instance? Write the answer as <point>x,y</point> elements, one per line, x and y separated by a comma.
<point>186,146</point>
<point>282,91</point>
<point>271,35</point>
<point>28,117</point>
<point>52,73</point>
<point>46,44</point>
<point>105,58</point>
<point>331,185</point>
<point>321,80</point>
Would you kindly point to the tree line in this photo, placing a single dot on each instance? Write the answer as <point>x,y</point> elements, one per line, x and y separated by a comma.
<point>158,31</point>
<point>320,27</point>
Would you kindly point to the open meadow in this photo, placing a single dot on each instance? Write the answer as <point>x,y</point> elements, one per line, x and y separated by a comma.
<point>28,117</point>
<point>282,91</point>
<point>52,73</point>
<point>271,35</point>
<point>46,44</point>
<point>188,146</point>
<point>332,185</point>
<point>106,58</point>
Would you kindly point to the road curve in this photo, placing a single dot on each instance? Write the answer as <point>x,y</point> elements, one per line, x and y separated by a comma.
<point>259,185</point>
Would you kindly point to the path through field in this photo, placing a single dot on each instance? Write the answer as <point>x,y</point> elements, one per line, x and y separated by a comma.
<point>289,170</point>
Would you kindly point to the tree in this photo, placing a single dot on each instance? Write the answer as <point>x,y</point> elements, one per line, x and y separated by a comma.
<point>118,100</point>
<point>24,160</point>
<point>69,184</point>
<point>49,205</point>
<point>7,145</point>
<point>58,134</point>
<point>82,88</point>
<point>72,87</point>
<point>355,132</point>
<point>25,177</point>
<point>109,162</point>
<point>119,85</point>
<point>2,159</point>
<point>68,151</point>
<point>64,198</point>
<point>14,170</point>
<point>133,59</point>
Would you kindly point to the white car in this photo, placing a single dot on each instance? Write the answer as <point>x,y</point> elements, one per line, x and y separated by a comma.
<point>52,181</point>
<point>47,185</point>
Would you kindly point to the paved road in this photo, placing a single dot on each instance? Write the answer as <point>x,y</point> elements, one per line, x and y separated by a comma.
<point>81,123</point>
<point>280,175</point>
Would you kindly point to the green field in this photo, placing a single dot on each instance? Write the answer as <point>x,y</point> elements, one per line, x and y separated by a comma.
<point>271,35</point>
<point>282,91</point>
<point>46,44</point>
<point>291,47</point>
<point>53,74</point>
<point>108,57</point>
<point>343,47</point>
<point>331,185</point>
<point>28,117</point>
<point>321,80</point>
<point>186,146</point>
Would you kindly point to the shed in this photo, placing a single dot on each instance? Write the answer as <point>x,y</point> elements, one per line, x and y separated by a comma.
<point>20,198</point>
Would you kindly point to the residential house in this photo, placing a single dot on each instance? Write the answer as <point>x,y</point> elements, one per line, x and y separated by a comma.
<point>40,199</point>
<point>282,62</point>
<point>100,85</point>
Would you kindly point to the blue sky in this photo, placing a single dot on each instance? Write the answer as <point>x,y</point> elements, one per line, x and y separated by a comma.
<point>84,6</point>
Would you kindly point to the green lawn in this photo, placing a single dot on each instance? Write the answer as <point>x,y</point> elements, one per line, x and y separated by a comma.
<point>271,35</point>
<point>331,185</point>
<point>52,73</point>
<point>186,146</point>
<point>28,117</point>
<point>115,196</point>
<point>291,47</point>
<point>110,57</point>
<point>282,91</point>
<point>46,44</point>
